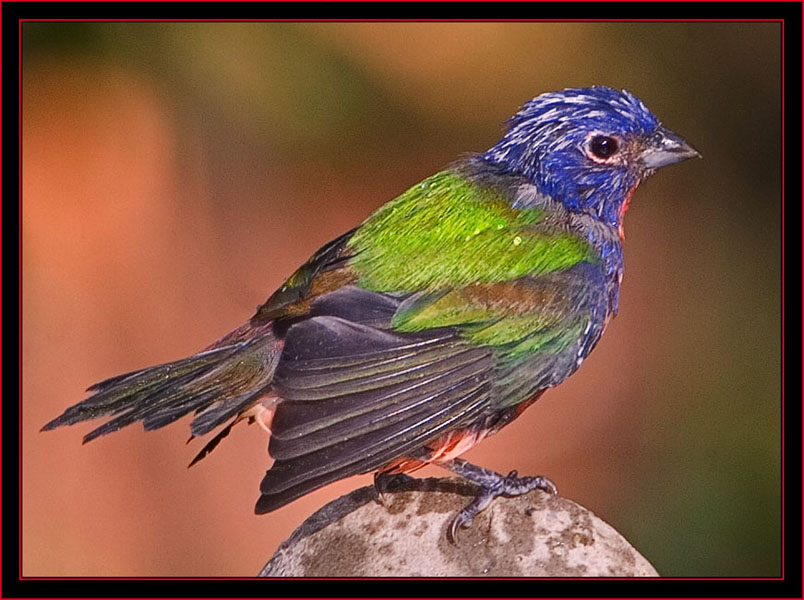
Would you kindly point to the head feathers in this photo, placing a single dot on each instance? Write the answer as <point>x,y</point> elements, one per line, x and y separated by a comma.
<point>547,142</point>
<point>596,106</point>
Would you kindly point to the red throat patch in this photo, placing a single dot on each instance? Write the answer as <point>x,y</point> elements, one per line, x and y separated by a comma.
<point>623,209</point>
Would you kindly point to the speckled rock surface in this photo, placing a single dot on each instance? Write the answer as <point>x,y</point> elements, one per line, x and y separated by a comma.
<point>403,534</point>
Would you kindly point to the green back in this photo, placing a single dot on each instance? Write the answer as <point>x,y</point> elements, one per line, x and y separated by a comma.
<point>450,232</point>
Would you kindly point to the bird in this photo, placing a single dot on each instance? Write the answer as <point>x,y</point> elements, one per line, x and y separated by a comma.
<point>435,322</point>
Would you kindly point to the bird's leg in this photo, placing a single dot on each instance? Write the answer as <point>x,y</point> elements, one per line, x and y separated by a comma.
<point>492,484</point>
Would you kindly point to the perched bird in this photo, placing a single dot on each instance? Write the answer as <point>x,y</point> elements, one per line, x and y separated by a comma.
<point>435,322</point>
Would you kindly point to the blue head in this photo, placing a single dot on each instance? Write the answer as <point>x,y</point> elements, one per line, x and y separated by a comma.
<point>588,148</point>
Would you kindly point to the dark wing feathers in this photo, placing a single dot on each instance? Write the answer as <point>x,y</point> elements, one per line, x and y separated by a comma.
<point>352,404</point>
<point>366,397</point>
<point>290,479</point>
<point>420,402</point>
<point>317,374</point>
<point>358,306</point>
<point>405,372</point>
<point>355,397</point>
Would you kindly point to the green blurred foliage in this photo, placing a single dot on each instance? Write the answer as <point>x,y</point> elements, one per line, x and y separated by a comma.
<point>386,104</point>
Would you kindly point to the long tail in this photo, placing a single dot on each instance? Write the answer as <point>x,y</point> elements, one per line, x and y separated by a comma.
<point>218,383</point>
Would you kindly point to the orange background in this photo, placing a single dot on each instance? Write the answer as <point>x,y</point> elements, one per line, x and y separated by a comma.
<point>175,174</point>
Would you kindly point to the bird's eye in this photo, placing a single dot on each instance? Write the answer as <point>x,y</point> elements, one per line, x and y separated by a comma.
<point>603,146</point>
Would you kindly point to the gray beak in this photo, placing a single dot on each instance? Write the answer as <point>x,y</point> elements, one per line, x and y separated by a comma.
<point>667,148</point>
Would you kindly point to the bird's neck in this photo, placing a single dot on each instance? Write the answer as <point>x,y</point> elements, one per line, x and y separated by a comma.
<point>607,242</point>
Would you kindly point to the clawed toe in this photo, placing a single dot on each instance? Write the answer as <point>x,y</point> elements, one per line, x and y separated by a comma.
<point>492,485</point>
<point>461,521</point>
<point>512,485</point>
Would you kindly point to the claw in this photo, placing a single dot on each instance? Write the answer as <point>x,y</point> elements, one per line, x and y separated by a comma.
<point>460,521</point>
<point>492,485</point>
<point>464,518</point>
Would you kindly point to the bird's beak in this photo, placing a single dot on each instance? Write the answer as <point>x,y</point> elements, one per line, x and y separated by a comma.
<point>667,148</point>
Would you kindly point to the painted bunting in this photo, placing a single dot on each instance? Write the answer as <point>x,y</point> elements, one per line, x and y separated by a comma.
<point>435,322</point>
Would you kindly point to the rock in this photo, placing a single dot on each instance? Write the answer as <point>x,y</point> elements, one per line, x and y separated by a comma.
<point>403,534</point>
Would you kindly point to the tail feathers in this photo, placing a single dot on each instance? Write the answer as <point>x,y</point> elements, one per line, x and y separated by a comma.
<point>217,384</point>
<point>217,414</point>
<point>122,392</point>
<point>261,413</point>
<point>213,443</point>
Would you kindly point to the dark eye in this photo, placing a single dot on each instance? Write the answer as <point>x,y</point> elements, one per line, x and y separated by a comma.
<point>603,146</point>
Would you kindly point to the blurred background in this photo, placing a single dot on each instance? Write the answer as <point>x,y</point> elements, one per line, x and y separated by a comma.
<point>175,174</point>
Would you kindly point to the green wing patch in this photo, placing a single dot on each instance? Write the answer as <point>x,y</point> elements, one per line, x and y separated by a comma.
<point>449,232</point>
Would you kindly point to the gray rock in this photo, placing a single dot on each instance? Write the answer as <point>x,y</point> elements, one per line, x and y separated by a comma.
<point>403,534</point>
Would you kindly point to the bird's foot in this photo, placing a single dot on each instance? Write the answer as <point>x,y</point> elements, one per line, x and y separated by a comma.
<point>388,482</point>
<point>492,485</point>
